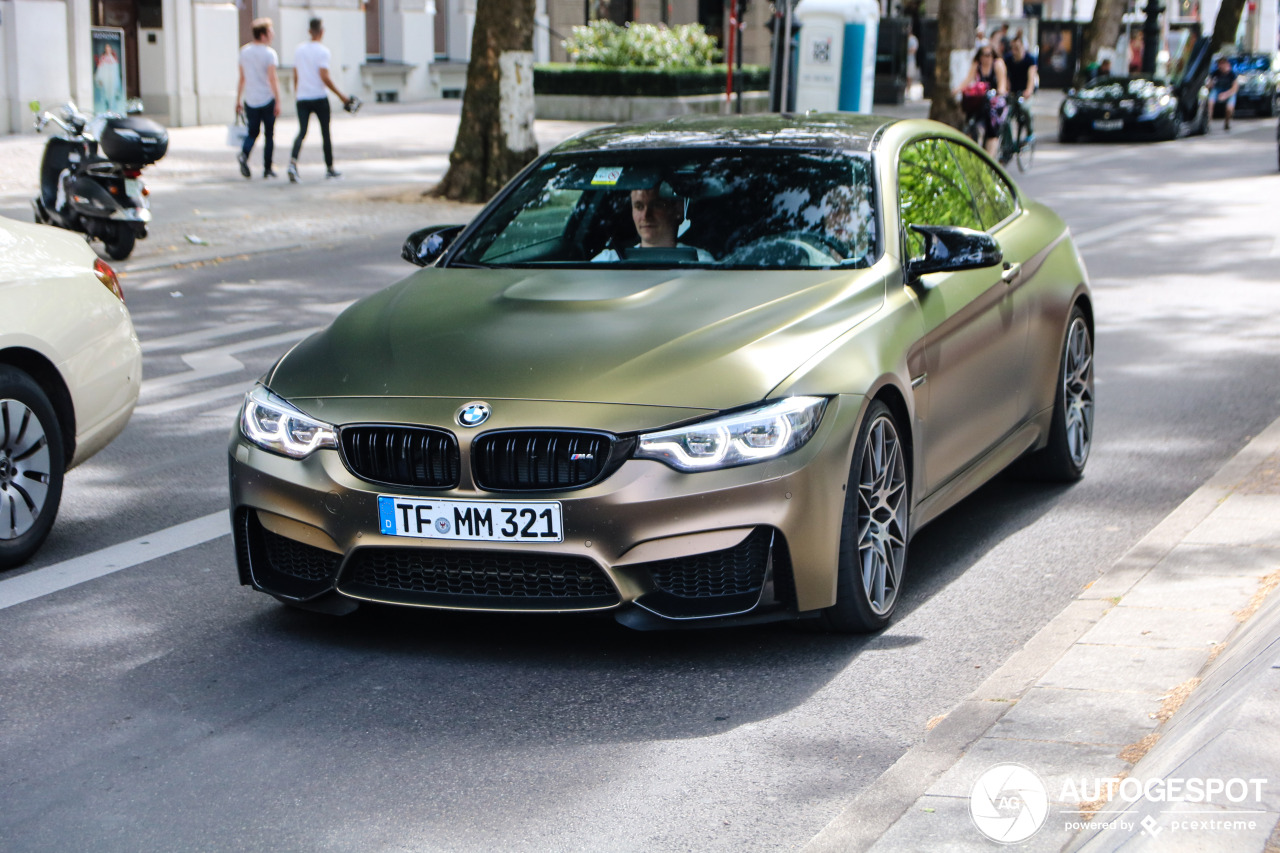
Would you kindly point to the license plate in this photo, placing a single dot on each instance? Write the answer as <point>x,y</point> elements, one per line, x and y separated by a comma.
<point>1108,124</point>
<point>133,187</point>
<point>471,521</point>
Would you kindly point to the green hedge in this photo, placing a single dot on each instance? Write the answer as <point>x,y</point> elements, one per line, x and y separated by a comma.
<point>599,81</point>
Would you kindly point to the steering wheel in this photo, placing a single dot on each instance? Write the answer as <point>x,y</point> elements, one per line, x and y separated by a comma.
<point>789,249</point>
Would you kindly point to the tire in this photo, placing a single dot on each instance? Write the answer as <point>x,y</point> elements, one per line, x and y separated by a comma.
<point>31,466</point>
<point>1026,148</point>
<point>873,535</point>
<point>1066,137</point>
<point>1071,433</point>
<point>120,246</point>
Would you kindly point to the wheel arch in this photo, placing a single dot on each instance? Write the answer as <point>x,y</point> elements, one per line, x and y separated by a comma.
<point>46,375</point>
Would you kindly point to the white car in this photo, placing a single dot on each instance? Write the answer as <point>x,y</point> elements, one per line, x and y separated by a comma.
<point>70,369</point>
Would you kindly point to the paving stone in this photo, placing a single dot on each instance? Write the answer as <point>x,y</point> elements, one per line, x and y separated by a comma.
<point>1124,669</point>
<point>1198,577</point>
<point>1241,520</point>
<point>944,824</point>
<point>1080,716</point>
<point>1158,628</point>
<point>1054,763</point>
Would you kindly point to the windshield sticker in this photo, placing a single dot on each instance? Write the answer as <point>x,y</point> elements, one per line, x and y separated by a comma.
<point>607,176</point>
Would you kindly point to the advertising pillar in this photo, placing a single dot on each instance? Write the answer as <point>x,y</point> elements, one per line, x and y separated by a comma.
<point>837,55</point>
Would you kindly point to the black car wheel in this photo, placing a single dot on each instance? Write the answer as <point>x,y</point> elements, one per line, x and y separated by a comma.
<point>1065,136</point>
<point>31,466</point>
<point>873,535</point>
<point>1071,433</point>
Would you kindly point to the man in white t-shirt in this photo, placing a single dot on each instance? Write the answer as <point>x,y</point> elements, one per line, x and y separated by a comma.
<point>258,95</point>
<point>310,79</point>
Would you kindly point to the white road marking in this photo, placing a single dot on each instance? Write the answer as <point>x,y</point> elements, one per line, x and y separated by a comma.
<point>212,333</point>
<point>177,404</point>
<point>219,361</point>
<point>112,559</point>
<point>1100,235</point>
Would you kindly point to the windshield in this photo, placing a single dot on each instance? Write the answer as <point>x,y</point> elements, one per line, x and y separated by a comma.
<point>684,208</point>
<point>1114,88</point>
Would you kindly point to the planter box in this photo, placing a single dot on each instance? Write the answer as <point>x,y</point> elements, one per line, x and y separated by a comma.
<point>618,109</point>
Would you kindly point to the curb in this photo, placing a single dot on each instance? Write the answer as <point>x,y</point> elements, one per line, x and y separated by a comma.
<point>880,806</point>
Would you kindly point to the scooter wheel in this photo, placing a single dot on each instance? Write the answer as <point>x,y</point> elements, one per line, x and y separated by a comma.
<point>120,245</point>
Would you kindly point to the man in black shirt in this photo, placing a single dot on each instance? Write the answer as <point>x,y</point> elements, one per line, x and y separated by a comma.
<point>1223,85</point>
<point>1024,78</point>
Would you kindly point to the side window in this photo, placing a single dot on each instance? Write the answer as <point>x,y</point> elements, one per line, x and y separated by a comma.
<point>994,198</point>
<point>932,191</point>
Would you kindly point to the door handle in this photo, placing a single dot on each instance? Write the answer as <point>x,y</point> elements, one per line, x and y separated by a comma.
<point>1011,272</point>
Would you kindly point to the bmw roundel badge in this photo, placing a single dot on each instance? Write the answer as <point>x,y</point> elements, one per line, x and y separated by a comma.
<point>473,414</point>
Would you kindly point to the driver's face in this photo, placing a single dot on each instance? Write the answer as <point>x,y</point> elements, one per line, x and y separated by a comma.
<point>655,218</point>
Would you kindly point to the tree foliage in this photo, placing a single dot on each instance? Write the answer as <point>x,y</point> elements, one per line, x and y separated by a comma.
<point>955,32</point>
<point>483,160</point>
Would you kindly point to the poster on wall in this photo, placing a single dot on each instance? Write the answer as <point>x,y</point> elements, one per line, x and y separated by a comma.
<point>108,70</point>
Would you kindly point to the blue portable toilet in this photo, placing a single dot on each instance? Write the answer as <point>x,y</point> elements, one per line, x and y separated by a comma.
<point>836,61</point>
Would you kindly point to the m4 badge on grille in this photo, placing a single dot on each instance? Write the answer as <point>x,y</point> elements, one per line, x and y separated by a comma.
<point>579,457</point>
<point>473,414</point>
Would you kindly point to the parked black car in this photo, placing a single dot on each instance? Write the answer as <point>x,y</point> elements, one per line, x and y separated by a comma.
<point>1138,107</point>
<point>1257,77</point>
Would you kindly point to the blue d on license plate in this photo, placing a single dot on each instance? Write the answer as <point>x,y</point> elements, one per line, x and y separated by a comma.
<point>471,521</point>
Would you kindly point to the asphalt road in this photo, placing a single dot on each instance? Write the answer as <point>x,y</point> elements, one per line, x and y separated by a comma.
<point>163,707</point>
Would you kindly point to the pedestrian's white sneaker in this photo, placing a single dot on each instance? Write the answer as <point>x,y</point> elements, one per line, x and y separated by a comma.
<point>293,173</point>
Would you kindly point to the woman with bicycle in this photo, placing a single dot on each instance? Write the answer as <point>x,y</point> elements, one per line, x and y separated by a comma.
<point>983,98</point>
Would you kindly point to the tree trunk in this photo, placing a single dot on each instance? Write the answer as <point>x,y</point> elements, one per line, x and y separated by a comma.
<point>1103,33</point>
<point>1226,24</point>
<point>955,32</point>
<point>495,136</point>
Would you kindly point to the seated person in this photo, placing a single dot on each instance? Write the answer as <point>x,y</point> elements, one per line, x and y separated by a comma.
<point>656,213</point>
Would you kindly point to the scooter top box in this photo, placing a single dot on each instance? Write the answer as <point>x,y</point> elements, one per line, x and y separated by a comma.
<point>133,141</point>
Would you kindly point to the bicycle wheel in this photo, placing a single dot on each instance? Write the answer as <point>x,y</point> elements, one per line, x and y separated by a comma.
<point>1006,144</point>
<point>1026,148</point>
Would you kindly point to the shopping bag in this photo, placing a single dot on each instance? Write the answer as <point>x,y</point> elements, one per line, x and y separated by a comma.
<point>236,132</point>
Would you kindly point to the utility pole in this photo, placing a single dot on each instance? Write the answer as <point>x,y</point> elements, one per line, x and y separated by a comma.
<point>1151,37</point>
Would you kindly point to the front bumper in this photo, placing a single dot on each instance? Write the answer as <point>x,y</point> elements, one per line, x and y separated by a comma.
<point>646,541</point>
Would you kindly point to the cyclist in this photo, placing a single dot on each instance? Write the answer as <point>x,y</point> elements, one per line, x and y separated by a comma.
<point>1024,79</point>
<point>989,108</point>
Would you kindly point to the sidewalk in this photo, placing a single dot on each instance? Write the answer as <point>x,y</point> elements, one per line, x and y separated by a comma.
<point>388,154</point>
<point>1160,684</point>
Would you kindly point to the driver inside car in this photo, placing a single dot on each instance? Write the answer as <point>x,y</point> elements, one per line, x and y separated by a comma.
<point>657,214</point>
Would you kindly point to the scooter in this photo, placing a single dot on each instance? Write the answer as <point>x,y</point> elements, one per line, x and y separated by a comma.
<point>102,197</point>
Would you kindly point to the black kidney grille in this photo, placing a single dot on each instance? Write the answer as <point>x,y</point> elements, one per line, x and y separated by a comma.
<point>478,578</point>
<point>539,460</point>
<point>402,456</point>
<point>733,571</point>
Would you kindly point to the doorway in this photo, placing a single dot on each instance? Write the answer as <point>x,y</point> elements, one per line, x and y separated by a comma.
<point>122,14</point>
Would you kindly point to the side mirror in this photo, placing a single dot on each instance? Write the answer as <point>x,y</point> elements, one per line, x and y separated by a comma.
<point>949,249</point>
<point>424,247</point>
<point>135,107</point>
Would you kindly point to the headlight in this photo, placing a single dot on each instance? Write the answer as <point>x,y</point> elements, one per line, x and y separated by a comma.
<point>1151,109</point>
<point>1069,109</point>
<point>274,425</point>
<point>742,438</point>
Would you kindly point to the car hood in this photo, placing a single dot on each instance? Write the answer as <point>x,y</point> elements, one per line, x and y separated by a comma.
<point>701,339</point>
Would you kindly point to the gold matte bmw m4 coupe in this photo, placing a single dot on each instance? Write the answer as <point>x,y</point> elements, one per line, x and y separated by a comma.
<point>708,369</point>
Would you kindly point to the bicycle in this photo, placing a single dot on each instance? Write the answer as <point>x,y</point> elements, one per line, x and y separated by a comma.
<point>1019,143</point>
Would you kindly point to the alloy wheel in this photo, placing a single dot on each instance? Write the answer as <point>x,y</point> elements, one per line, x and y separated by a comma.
<point>882,516</point>
<point>1077,391</point>
<point>24,468</point>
